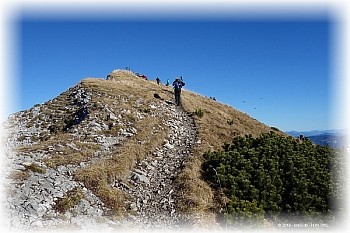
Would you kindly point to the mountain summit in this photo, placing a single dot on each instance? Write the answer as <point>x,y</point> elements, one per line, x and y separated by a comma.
<point>116,153</point>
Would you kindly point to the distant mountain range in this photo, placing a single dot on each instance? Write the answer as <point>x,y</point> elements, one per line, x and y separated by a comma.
<point>334,138</point>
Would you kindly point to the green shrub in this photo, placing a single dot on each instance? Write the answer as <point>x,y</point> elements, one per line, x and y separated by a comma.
<point>275,128</point>
<point>272,176</point>
<point>199,113</point>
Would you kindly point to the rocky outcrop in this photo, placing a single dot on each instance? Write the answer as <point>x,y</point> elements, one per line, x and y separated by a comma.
<point>46,145</point>
<point>34,186</point>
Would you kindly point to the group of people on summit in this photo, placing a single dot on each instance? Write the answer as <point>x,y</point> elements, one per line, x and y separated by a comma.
<point>177,85</point>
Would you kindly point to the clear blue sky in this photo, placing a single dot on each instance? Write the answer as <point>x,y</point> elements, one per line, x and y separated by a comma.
<point>280,68</point>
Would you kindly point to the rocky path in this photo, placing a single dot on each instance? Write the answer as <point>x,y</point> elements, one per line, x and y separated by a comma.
<point>153,202</point>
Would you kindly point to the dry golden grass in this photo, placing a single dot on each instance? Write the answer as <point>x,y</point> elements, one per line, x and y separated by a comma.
<point>69,158</point>
<point>220,122</point>
<point>112,197</point>
<point>18,176</point>
<point>34,167</point>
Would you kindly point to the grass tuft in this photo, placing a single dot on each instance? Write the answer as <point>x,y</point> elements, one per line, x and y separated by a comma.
<point>67,202</point>
<point>34,167</point>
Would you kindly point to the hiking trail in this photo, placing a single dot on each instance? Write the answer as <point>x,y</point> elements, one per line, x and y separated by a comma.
<point>154,195</point>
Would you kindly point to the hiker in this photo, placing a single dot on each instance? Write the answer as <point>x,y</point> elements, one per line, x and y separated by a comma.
<point>158,80</point>
<point>167,82</point>
<point>178,84</point>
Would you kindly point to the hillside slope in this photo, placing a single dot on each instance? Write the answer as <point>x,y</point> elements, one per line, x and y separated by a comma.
<point>116,152</point>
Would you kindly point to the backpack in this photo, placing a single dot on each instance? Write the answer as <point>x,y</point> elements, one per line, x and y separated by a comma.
<point>177,85</point>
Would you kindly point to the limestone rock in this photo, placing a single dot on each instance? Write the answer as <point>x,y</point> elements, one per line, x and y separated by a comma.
<point>96,130</point>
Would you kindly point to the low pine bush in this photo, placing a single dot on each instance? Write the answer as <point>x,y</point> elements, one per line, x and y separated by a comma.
<point>273,177</point>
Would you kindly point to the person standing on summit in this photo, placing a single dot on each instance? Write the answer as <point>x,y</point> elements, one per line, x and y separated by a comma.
<point>178,84</point>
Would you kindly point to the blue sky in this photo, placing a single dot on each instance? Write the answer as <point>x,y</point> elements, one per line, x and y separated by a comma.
<point>276,70</point>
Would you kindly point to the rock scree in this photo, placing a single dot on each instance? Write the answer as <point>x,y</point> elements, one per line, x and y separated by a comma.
<point>34,189</point>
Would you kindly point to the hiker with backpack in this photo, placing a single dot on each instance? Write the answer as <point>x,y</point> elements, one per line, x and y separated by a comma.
<point>158,80</point>
<point>178,84</point>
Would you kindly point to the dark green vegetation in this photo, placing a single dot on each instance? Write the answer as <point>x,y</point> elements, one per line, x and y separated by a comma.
<point>274,177</point>
<point>199,113</point>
